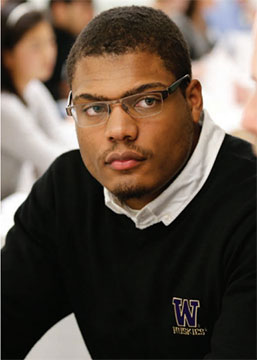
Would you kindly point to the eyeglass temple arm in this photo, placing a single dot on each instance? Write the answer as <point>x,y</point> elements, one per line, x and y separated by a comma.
<point>176,84</point>
<point>68,110</point>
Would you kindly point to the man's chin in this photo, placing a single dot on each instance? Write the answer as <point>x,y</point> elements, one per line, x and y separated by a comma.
<point>129,192</point>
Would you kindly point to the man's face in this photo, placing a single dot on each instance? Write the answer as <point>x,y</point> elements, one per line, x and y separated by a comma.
<point>250,113</point>
<point>135,159</point>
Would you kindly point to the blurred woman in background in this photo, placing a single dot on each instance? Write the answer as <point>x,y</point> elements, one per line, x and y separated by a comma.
<point>32,129</point>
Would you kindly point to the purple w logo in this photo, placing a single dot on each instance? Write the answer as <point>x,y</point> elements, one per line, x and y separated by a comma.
<point>186,311</point>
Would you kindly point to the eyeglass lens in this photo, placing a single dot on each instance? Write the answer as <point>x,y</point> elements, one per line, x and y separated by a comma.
<point>138,106</point>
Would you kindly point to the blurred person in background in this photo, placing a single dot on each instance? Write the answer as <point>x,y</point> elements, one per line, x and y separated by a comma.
<point>171,7</point>
<point>32,129</point>
<point>249,9</point>
<point>229,16</point>
<point>250,114</point>
<point>68,17</point>
<point>228,63</point>
<point>193,26</point>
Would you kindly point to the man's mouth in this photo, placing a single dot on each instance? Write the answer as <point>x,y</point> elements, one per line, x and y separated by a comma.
<point>124,161</point>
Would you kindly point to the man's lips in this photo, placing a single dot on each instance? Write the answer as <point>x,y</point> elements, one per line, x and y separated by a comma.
<point>124,161</point>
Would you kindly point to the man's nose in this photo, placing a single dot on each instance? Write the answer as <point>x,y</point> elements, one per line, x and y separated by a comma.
<point>121,126</point>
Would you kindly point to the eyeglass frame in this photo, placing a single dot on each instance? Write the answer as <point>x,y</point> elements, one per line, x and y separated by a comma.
<point>165,93</point>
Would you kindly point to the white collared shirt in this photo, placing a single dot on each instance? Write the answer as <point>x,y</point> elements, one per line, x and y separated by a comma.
<point>173,200</point>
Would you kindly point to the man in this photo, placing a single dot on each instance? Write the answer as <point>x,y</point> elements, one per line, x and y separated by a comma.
<point>149,235</point>
<point>69,17</point>
<point>250,113</point>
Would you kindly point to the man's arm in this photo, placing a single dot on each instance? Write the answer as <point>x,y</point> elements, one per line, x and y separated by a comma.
<point>234,335</point>
<point>33,297</point>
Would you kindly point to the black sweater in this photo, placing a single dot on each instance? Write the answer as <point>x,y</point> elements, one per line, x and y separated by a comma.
<point>183,291</point>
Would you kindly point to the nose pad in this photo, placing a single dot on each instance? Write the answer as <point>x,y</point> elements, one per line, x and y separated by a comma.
<point>125,108</point>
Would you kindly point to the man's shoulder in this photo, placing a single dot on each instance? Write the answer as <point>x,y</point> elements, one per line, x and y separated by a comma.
<point>237,154</point>
<point>233,176</point>
<point>68,161</point>
<point>70,169</point>
<point>72,154</point>
<point>67,179</point>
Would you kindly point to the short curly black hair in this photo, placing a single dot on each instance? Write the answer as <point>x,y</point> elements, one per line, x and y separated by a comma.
<point>129,29</point>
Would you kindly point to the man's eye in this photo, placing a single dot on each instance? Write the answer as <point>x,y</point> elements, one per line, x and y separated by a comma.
<point>93,110</point>
<point>147,102</point>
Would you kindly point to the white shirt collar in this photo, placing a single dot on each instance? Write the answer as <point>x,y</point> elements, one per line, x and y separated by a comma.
<point>172,201</point>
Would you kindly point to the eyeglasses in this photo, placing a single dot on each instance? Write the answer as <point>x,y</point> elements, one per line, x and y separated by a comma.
<point>138,106</point>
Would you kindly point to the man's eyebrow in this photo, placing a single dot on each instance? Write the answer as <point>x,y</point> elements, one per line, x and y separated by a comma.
<point>141,88</point>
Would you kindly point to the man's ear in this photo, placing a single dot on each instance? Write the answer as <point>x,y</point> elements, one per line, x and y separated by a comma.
<point>194,99</point>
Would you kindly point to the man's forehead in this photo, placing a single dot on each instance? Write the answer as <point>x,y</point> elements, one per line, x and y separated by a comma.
<point>99,67</point>
<point>111,70</point>
<point>132,61</point>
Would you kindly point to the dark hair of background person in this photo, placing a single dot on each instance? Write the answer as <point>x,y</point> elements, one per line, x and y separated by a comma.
<point>11,35</point>
<point>68,1</point>
<point>133,28</point>
<point>68,17</point>
<point>190,8</point>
